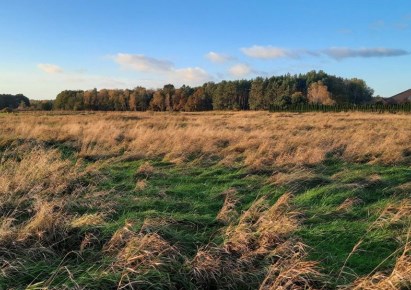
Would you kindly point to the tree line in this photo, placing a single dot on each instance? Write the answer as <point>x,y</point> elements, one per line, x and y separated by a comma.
<point>8,101</point>
<point>256,94</point>
<point>261,93</point>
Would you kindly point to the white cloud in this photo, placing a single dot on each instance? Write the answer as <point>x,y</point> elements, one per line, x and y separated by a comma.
<point>344,52</point>
<point>190,75</point>
<point>218,57</point>
<point>267,52</point>
<point>240,70</point>
<point>50,68</point>
<point>142,63</point>
<point>162,70</point>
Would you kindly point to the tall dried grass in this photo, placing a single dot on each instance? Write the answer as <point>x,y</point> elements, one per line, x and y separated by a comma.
<point>32,181</point>
<point>292,271</point>
<point>228,212</point>
<point>30,171</point>
<point>140,256</point>
<point>258,245</point>
<point>256,138</point>
<point>35,184</point>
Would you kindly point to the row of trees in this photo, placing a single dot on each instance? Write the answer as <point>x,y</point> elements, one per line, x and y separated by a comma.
<point>13,101</point>
<point>41,105</point>
<point>313,87</point>
<point>257,94</point>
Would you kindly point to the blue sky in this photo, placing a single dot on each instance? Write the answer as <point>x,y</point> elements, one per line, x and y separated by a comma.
<point>49,45</point>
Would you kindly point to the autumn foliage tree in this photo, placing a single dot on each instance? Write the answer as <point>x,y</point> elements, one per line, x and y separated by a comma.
<point>199,101</point>
<point>318,94</point>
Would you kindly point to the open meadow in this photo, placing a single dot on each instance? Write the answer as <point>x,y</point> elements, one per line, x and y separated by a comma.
<point>211,200</point>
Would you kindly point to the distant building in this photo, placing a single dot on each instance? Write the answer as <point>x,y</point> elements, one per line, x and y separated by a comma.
<point>400,98</point>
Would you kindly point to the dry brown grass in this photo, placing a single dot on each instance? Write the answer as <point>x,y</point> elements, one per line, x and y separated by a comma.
<point>297,175</point>
<point>394,213</point>
<point>119,238</point>
<point>228,212</point>
<point>261,236</point>
<point>349,203</point>
<point>30,171</point>
<point>87,220</point>
<point>258,139</point>
<point>138,253</point>
<point>216,267</point>
<point>297,178</point>
<point>146,169</point>
<point>141,254</point>
<point>262,228</point>
<point>33,185</point>
<point>141,184</point>
<point>291,271</point>
<point>48,220</point>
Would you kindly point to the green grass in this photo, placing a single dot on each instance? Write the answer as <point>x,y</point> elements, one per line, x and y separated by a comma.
<point>332,233</point>
<point>188,196</point>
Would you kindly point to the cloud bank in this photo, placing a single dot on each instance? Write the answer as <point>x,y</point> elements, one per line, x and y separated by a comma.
<point>341,52</point>
<point>167,70</point>
<point>270,52</point>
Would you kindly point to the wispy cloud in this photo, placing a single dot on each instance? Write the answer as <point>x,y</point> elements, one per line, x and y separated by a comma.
<point>270,52</point>
<point>140,62</point>
<point>218,57</point>
<point>342,52</point>
<point>163,68</point>
<point>267,52</point>
<point>50,68</point>
<point>240,70</point>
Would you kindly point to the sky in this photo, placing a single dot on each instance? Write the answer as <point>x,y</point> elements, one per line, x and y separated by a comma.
<point>48,45</point>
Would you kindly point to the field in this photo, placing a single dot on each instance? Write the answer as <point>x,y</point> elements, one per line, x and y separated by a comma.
<point>217,200</point>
